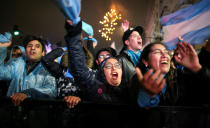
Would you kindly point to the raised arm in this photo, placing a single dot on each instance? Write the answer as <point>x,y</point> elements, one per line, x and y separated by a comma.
<point>187,56</point>
<point>5,71</point>
<point>125,25</point>
<point>53,67</point>
<point>152,83</point>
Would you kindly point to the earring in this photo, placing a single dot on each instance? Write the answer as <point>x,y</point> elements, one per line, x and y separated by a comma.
<point>147,67</point>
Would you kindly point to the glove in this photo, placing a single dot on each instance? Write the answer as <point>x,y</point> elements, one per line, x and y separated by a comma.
<point>70,9</point>
<point>73,30</point>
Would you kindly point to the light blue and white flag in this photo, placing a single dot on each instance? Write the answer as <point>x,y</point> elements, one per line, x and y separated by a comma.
<point>70,9</point>
<point>192,23</point>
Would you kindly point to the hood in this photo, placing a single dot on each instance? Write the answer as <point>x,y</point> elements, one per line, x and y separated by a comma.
<point>100,74</point>
<point>22,50</point>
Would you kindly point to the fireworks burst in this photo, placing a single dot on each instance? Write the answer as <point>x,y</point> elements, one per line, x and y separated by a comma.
<point>109,23</point>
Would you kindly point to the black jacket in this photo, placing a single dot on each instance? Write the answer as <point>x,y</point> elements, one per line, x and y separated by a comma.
<point>203,57</point>
<point>184,88</point>
<point>97,90</point>
<point>127,66</point>
<point>53,67</point>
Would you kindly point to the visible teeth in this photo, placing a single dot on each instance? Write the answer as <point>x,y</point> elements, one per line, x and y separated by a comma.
<point>164,62</point>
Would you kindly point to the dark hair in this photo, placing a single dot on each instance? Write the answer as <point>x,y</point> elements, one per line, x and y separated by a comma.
<point>145,55</point>
<point>15,52</point>
<point>15,48</point>
<point>108,49</point>
<point>29,38</point>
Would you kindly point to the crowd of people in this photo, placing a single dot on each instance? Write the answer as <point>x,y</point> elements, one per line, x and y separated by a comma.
<point>141,77</point>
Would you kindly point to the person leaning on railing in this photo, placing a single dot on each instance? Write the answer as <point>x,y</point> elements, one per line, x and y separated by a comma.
<point>29,79</point>
<point>159,84</point>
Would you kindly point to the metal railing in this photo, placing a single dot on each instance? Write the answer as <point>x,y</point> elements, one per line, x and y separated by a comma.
<point>54,113</point>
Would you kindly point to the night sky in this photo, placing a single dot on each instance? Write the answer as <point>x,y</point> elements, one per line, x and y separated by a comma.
<point>42,17</point>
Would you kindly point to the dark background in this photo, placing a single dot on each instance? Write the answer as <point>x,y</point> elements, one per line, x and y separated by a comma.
<point>42,17</point>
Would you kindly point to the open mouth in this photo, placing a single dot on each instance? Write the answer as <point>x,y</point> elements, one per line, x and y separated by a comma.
<point>164,62</point>
<point>114,75</point>
<point>32,53</point>
<point>139,43</point>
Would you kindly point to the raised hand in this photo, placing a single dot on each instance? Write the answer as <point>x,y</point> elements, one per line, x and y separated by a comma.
<point>70,22</point>
<point>125,25</point>
<point>152,82</point>
<point>5,40</point>
<point>187,56</point>
<point>5,44</point>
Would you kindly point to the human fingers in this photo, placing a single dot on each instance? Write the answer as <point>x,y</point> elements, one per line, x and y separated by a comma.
<point>139,74</point>
<point>190,48</point>
<point>15,100</point>
<point>181,48</point>
<point>154,76</point>
<point>70,22</point>
<point>159,85</point>
<point>158,81</point>
<point>75,101</point>
<point>70,101</point>
<point>147,74</point>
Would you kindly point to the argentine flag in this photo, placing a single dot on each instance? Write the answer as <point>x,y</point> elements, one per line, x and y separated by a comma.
<point>192,23</point>
<point>70,9</point>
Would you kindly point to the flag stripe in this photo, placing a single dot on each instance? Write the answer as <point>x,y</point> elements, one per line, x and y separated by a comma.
<point>196,23</point>
<point>186,13</point>
<point>193,37</point>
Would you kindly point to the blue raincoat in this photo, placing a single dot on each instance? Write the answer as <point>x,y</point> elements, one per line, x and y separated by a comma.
<point>37,84</point>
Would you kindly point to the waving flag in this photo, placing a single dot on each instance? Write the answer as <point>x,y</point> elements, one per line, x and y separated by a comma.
<point>70,9</point>
<point>192,23</point>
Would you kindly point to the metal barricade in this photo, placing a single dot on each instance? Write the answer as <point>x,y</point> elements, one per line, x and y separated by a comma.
<point>53,113</point>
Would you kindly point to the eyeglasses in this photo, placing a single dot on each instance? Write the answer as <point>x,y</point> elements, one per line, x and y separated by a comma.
<point>104,56</point>
<point>110,65</point>
<point>160,52</point>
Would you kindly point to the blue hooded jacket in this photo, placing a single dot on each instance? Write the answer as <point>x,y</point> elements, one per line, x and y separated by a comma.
<point>37,84</point>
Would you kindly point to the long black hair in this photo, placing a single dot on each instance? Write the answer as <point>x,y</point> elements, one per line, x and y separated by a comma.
<point>172,92</point>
